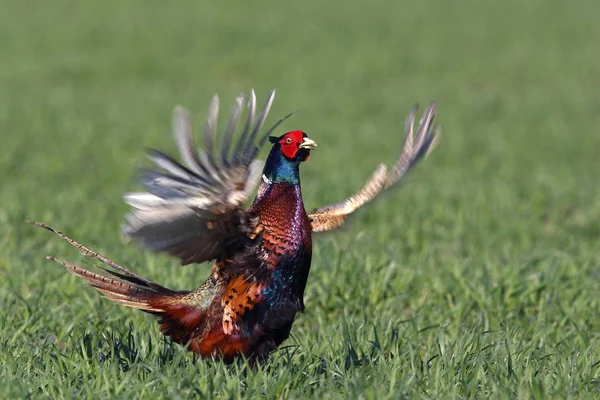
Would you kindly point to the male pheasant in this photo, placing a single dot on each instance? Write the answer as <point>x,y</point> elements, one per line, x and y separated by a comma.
<point>262,255</point>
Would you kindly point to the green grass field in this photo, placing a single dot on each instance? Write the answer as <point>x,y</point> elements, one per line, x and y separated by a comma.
<point>479,278</point>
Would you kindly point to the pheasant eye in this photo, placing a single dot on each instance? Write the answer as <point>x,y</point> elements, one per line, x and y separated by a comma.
<point>288,140</point>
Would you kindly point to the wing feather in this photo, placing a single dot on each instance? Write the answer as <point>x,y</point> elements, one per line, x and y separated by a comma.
<point>236,112</point>
<point>249,123</point>
<point>182,131</point>
<point>194,212</point>
<point>250,149</point>
<point>416,147</point>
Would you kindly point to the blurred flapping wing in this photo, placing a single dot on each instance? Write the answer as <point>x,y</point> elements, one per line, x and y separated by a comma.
<point>416,147</point>
<point>194,212</point>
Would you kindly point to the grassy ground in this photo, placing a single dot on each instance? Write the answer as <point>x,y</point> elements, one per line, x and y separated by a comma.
<point>479,278</point>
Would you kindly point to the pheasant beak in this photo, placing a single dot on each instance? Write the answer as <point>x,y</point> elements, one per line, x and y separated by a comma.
<point>308,144</point>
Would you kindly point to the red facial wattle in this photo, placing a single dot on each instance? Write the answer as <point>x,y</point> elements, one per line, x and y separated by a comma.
<point>290,143</point>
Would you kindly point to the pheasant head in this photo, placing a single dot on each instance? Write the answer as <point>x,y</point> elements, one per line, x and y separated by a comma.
<point>288,151</point>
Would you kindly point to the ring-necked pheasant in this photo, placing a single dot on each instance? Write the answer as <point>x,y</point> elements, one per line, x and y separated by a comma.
<point>263,254</point>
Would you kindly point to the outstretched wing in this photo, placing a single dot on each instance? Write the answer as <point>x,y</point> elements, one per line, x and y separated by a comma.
<point>194,212</point>
<point>416,147</point>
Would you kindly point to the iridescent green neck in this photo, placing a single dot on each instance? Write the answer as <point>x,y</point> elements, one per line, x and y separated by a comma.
<point>280,169</point>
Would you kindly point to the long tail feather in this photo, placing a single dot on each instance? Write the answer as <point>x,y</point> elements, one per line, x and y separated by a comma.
<point>121,292</point>
<point>125,287</point>
<point>181,313</point>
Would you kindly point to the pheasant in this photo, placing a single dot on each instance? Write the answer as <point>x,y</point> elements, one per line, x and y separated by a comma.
<point>262,255</point>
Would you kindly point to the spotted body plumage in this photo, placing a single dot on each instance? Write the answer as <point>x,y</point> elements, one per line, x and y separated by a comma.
<point>262,255</point>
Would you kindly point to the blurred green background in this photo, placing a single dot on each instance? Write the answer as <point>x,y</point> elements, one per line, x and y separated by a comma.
<point>478,278</point>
